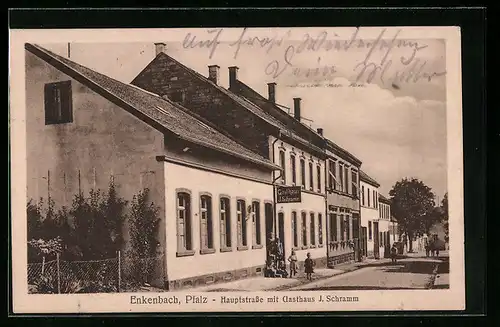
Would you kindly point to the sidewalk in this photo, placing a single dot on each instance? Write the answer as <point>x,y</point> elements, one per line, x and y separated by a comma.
<point>281,284</point>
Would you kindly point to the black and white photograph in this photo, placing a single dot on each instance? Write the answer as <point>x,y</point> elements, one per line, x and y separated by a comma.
<point>238,169</point>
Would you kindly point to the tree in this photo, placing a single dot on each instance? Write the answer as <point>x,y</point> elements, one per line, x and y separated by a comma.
<point>144,227</point>
<point>413,206</point>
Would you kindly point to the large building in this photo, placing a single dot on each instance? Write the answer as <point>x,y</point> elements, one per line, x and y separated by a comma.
<point>370,228</point>
<point>260,125</point>
<point>213,194</point>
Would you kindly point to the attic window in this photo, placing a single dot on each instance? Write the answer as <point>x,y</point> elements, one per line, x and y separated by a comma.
<point>177,96</point>
<point>58,103</point>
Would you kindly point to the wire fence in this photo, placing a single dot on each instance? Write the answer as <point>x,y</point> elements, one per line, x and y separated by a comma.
<point>123,273</point>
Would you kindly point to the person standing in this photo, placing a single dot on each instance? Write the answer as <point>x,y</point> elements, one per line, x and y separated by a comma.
<point>394,253</point>
<point>309,266</point>
<point>293,264</point>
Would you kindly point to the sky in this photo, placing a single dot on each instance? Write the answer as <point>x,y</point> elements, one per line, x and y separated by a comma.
<point>394,122</point>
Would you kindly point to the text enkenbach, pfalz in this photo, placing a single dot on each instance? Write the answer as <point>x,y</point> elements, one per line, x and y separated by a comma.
<point>236,300</point>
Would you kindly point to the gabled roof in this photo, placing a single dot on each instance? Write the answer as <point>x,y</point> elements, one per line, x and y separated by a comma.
<point>243,102</point>
<point>383,199</point>
<point>367,179</point>
<point>274,110</point>
<point>159,112</point>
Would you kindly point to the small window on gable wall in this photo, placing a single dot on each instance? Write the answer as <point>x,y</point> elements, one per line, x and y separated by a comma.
<point>177,96</point>
<point>58,103</point>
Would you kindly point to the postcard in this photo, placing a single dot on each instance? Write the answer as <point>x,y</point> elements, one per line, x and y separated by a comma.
<point>236,170</point>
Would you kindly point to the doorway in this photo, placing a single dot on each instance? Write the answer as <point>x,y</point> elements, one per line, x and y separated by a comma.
<point>268,208</point>
<point>376,241</point>
<point>281,231</point>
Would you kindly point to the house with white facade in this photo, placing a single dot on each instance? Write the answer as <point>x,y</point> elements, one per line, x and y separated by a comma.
<point>213,194</point>
<point>370,216</point>
<point>259,124</point>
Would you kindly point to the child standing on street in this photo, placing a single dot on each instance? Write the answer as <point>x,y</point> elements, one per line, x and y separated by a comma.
<point>394,253</point>
<point>309,266</point>
<point>293,264</point>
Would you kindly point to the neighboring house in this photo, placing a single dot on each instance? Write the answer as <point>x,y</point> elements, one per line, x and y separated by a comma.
<point>394,230</point>
<point>343,187</point>
<point>384,223</point>
<point>214,194</point>
<point>260,125</point>
<point>370,215</point>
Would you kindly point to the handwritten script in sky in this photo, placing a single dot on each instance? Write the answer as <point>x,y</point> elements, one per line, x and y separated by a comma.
<point>386,59</point>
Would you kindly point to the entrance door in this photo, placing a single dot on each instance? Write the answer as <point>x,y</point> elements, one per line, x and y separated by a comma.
<point>269,223</point>
<point>281,230</point>
<point>364,238</point>
<point>376,241</point>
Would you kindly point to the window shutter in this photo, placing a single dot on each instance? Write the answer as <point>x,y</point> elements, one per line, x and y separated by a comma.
<point>49,102</point>
<point>66,102</point>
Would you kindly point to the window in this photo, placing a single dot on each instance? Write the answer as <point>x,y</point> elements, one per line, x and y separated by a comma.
<point>346,181</point>
<point>333,227</point>
<point>304,229</point>
<point>282,165</point>
<point>206,226</point>
<point>311,176</point>
<point>354,177</point>
<point>341,177</point>
<point>295,230</point>
<point>332,175</point>
<point>348,227</point>
<point>256,223</point>
<point>318,177</point>
<point>368,195</point>
<point>342,228</point>
<point>184,222</point>
<point>370,230</point>
<point>320,229</point>
<point>225,224</point>
<point>177,96</point>
<point>293,167</point>
<point>242,223</point>
<point>312,229</point>
<point>362,194</point>
<point>58,103</point>
<point>374,199</point>
<point>303,173</point>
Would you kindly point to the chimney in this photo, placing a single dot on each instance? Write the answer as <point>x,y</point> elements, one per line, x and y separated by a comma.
<point>213,73</point>
<point>160,47</point>
<point>271,90</point>
<point>320,131</point>
<point>233,76</point>
<point>296,108</point>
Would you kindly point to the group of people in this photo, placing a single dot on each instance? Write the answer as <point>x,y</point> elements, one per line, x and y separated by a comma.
<point>308,265</point>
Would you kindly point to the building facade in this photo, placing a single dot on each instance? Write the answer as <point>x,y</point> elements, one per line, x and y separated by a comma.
<point>384,221</point>
<point>85,129</point>
<point>343,191</point>
<point>260,125</point>
<point>370,228</point>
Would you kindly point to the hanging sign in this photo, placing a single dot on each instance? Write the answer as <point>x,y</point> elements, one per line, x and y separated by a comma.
<point>288,194</point>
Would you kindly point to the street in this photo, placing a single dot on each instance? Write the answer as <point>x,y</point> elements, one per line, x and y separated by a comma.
<point>407,273</point>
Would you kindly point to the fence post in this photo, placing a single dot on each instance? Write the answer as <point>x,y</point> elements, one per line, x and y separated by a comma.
<point>119,271</point>
<point>43,264</point>
<point>58,274</point>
